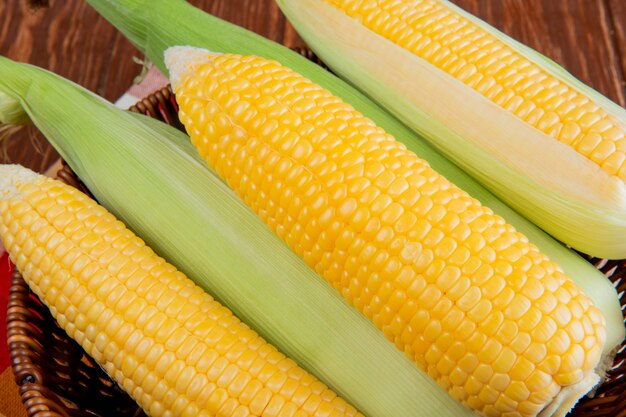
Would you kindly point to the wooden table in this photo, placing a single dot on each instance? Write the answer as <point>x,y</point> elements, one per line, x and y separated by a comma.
<point>588,37</point>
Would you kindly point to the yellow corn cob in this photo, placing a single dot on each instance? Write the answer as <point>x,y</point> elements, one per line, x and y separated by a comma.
<point>480,60</point>
<point>543,142</point>
<point>170,345</point>
<point>464,295</point>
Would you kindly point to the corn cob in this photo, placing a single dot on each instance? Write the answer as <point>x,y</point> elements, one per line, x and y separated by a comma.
<point>469,53</point>
<point>168,343</point>
<point>542,141</point>
<point>464,295</point>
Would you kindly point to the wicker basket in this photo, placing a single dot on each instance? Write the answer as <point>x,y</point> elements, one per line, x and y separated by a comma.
<point>57,378</point>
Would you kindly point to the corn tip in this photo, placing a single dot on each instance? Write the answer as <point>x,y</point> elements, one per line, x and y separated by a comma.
<point>568,397</point>
<point>11,176</point>
<point>181,59</point>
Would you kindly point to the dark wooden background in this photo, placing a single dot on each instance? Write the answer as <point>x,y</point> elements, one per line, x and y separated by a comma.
<point>588,37</point>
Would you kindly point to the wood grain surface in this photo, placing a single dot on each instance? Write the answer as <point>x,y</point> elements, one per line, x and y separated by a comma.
<point>617,10</point>
<point>587,37</point>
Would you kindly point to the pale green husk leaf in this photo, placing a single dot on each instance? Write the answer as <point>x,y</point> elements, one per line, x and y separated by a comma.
<point>11,111</point>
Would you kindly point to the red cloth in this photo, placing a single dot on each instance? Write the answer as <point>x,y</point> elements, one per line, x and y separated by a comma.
<point>5,281</point>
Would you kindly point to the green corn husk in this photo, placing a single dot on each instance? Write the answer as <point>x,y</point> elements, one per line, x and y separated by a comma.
<point>11,112</point>
<point>549,182</point>
<point>149,176</point>
<point>153,26</point>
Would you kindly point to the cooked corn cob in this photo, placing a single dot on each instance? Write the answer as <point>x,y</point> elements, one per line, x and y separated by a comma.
<point>465,296</point>
<point>169,344</point>
<point>538,138</point>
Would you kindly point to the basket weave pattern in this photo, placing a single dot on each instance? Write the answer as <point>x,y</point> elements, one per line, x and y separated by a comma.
<point>57,378</point>
<point>55,375</point>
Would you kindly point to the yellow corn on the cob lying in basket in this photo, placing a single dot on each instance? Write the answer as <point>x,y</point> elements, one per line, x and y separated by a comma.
<point>465,296</point>
<point>545,143</point>
<point>170,345</point>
